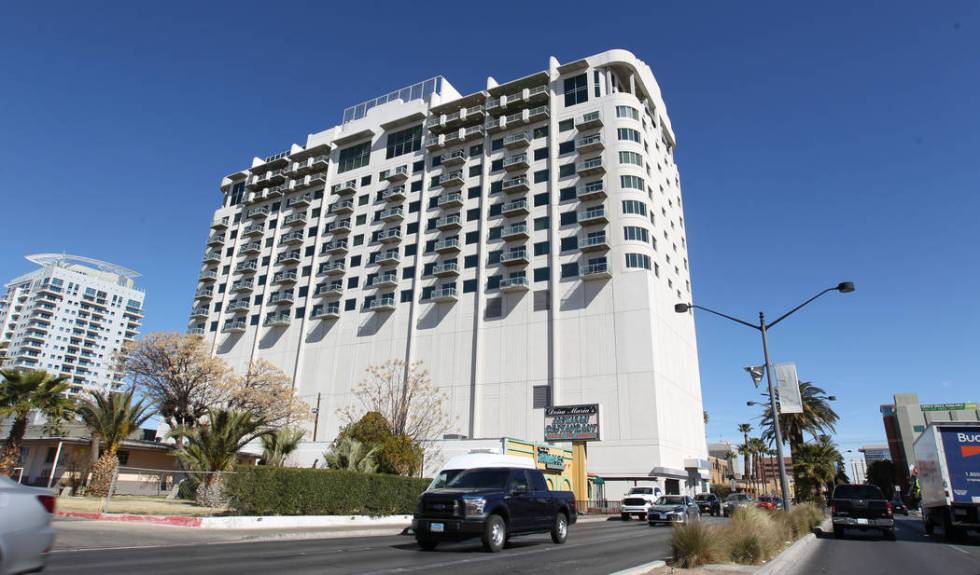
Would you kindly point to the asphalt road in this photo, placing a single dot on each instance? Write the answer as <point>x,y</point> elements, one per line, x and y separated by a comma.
<point>866,553</point>
<point>598,547</point>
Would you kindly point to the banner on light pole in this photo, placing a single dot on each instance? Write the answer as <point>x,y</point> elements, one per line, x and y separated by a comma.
<point>788,388</point>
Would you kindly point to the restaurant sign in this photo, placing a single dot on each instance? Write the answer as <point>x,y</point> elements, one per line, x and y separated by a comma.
<point>572,423</point>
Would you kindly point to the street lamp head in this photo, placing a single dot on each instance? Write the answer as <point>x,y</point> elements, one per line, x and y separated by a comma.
<point>751,403</point>
<point>845,287</point>
<point>682,307</point>
<point>831,398</point>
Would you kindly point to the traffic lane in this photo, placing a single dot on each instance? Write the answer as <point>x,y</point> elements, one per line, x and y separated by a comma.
<point>601,547</point>
<point>867,553</point>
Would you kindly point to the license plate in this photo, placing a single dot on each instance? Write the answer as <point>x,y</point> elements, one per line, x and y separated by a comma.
<point>862,521</point>
<point>437,527</point>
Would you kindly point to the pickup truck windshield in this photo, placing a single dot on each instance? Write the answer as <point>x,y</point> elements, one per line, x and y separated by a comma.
<point>671,500</point>
<point>444,477</point>
<point>481,478</point>
<point>858,492</point>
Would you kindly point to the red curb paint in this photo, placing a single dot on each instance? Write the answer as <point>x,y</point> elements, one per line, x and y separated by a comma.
<point>173,520</point>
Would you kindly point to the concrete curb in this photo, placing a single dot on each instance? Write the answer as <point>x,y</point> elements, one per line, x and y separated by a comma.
<point>794,556</point>
<point>640,569</point>
<point>173,520</point>
<point>260,522</point>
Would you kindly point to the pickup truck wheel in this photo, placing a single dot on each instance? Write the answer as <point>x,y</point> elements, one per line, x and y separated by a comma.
<point>928,526</point>
<point>559,531</point>
<point>494,534</point>
<point>426,543</point>
<point>838,532</point>
<point>889,534</point>
<point>624,516</point>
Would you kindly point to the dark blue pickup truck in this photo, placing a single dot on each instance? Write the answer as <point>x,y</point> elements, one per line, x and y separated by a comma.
<point>493,503</point>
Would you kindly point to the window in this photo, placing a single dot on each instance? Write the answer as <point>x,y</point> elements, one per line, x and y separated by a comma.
<point>497,165</point>
<point>634,207</point>
<point>494,308</point>
<point>366,180</point>
<point>469,286</point>
<point>237,194</point>
<point>576,90</point>
<point>541,223</point>
<point>569,270</point>
<point>631,158</point>
<point>632,182</point>
<point>541,153</point>
<point>640,261</point>
<point>540,176</point>
<point>541,274</point>
<point>629,135</point>
<point>470,261</point>
<point>569,218</point>
<point>566,170</point>
<point>493,235</point>
<point>406,296</point>
<point>472,214</point>
<point>596,82</point>
<point>404,142</point>
<point>476,150</point>
<point>475,170</point>
<point>473,192</point>
<point>541,248</point>
<point>636,234</point>
<point>474,236</point>
<point>497,144</point>
<point>627,112</point>
<point>541,399</point>
<point>569,243</point>
<point>354,157</point>
<point>360,220</point>
<point>567,194</point>
<point>541,199</point>
<point>566,147</point>
<point>350,305</point>
<point>363,200</point>
<point>566,125</point>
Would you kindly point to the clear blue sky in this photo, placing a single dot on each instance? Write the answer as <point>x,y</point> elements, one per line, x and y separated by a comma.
<point>817,143</point>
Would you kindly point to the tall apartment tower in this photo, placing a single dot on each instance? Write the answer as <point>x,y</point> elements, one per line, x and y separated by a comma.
<point>526,242</point>
<point>70,318</point>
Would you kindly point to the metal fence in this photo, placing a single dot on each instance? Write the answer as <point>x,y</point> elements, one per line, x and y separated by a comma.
<point>598,507</point>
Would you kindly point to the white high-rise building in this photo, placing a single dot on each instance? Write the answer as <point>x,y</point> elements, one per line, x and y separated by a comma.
<point>70,318</point>
<point>525,241</point>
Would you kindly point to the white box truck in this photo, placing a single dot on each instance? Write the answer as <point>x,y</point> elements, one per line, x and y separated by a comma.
<point>947,456</point>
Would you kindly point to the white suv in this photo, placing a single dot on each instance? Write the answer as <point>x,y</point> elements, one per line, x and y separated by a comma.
<point>637,500</point>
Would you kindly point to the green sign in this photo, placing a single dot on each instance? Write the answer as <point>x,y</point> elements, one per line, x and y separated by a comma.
<point>948,406</point>
<point>550,461</point>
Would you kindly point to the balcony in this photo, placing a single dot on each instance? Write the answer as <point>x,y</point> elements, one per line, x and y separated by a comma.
<point>539,113</point>
<point>454,158</point>
<point>383,303</point>
<point>433,142</point>
<point>347,188</point>
<point>236,326</point>
<point>592,191</point>
<point>450,200</point>
<point>516,185</point>
<point>243,285</point>
<point>277,320</point>
<point>251,248</point>
<point>396,174</point>
<point>212,257</point>
<point>387,258</point>
<point>588,144</point>
<point>295,219</point>
<point>257,213</point>
<point>247,267</point>
<point>444,294</point>
<point>267,178</point>
<point>454,178</point>
<point>515,119</point>
<point>589,121</point>
<point>334,247</point>
<point>473,133</point>
<point>333,268</point>
<point>199,313</point>
<point>204,293</point>
<point>292,238</point>
<point>395,194</point>
<point>596,215</point>
<point>290,257</point>
<point>591,167</point>
<point>450,222</point>
<point>198,331</point>
<point>514,284</point>
<point>596,271</point>
<point>316,180</point>
<point>342,207</point>
<point>516,163</point>
<point>333,289</point>
<point>447,246</point>
<point>238,305</point>
<point>385,280</point>
<point>216,240</point>
<point>392,214</point>
<point>514,257</point>
<point>286,277</point>
<point>208,276</point>
<point>300,201</point>
<point>515,232</point>
<point>446,269</point>
<point>329,311</point>
<point>253,230</point>
<point>594,242</point>
<point>515,208</point>
<point>220,223</point>
<point>494,125</point>
<point>339,227</point>
<point>281,297</point>
<point>516,141</point>
<point>276,191</point>
<point>394,235</point>
<point>537,94</point>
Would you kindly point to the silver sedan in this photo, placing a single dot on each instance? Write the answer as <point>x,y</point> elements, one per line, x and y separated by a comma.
<point>26,535</point>
<point>673,509</point>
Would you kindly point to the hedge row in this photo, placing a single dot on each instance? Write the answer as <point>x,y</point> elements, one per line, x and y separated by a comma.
<point>261,490</point>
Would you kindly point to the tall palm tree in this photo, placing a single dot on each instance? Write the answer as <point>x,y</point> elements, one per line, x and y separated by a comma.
<point>213,447</point>
<point>352,455</point>
<point>745,449</point>
<point>758,449</point>
<point>745,428</point>
<point>278,445</point>
<point>111,418</point>
<point>22,392</point>
<point>814,466</point>
<point>818,417</point>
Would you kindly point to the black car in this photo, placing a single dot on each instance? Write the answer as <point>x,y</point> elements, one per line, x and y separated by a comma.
<point>899,507</point>
<point>493,503</point>
<point>864,507</point>
<point>708,503</point>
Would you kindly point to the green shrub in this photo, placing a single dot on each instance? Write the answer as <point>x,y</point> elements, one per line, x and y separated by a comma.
<point>266,490</point>
<point>754,536</point>
<point>695,544</point>
<point>805,517</point>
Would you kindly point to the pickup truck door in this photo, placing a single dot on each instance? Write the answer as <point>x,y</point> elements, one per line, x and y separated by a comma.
<point>543,501</point>
<point>519,502</point>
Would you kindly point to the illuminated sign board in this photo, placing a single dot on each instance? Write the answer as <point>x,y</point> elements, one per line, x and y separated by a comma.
<point>572,423</point>
<point>948,406</point>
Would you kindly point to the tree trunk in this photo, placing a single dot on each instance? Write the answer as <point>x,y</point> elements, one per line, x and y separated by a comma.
<point>11,450</point>
<point>210,492</point>
<point>102,473</point>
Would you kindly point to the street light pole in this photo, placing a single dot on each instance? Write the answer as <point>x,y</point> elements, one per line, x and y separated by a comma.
<point>783,480</point>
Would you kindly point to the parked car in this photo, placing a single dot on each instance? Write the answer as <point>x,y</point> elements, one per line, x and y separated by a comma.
<point>769,502</point>
<point>708,503</point>
<point>26,535</point>
<point>899,507</point>
<point>734,501</point>
<point>673,509</point>
<point>494,504</point>
<point>637,500</point>
<point>860,506</point>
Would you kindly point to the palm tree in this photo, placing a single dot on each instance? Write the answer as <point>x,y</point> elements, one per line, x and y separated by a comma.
<point>757,447</point>
<point>745,428</point>
<point>22,392</point>
<point>818,417</point>
<point>111,418</point>
<point>814,466</point>
<point>278,445</point>
<point>352,455</point>
<point>746,450</point>
<point>212,448</point>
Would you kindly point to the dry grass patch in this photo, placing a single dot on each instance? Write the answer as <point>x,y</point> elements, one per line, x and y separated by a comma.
<point>137,505</point>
